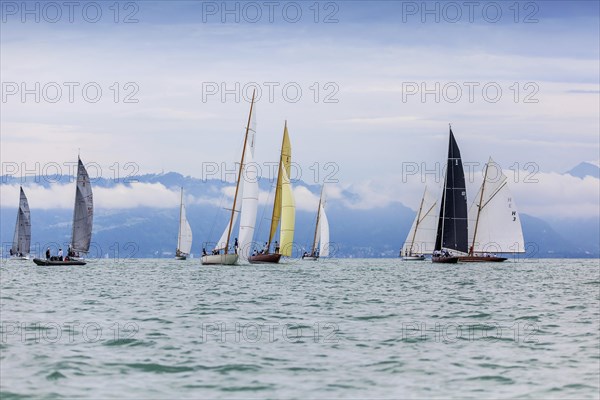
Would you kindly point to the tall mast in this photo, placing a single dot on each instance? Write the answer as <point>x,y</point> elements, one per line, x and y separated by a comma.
<point>443,210</point>
<point>237,185</point>
<point>277,185</point>
<point>314,248</point>
<point>75,205</point>
<point>180,215</point>
<point>479,208</point>
<point>417,222</point>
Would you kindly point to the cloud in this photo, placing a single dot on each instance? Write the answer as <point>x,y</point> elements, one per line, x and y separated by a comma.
<point>540,194</point>
<point>305,199</point>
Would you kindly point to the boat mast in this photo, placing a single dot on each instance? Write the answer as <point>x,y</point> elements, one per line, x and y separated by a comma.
<point>75,205</point>
<point>314,247</point>
<point>417,222</point>
<point>444,197</point>
<point>180,215</point>
<point>237,185</point>
<point>277,187</point>
<point>479,207</point>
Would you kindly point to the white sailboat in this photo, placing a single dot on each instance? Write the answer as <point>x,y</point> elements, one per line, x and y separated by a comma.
<point>321,237</point>
<point>22,237</point>
<point>246,204</point>
<point>83,216</point>
<point>284,210</point>
<point>421,237</point>
<point>494,223</point>
<point>184,238</point>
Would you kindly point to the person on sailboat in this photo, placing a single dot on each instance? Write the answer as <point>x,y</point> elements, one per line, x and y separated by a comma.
<point>204,251</point>
<point>236,245</point>
<point>276,247</point>
<point>48,253</point>
<point>60,255</point>
<point>265,249</point>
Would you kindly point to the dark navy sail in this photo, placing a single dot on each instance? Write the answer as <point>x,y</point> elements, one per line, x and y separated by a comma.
<point>452,224</point>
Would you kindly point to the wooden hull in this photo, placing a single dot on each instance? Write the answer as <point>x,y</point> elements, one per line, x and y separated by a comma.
<point>220,259</point>
<point>413,258</point>
<point>444,260</point>
<point>264,259</point>
<point>40,261</point>
<point>481,259</point>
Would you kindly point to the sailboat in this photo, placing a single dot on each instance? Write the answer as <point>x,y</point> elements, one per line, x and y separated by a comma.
<point>245,202</point>
<point>321,237</point>
<point>184,238</point>
<point>452,225</point>
<point>22,238</point>
<point>83,216</point>
<point>421,237</point>
<point>284,210</point>
<point>495,226</point>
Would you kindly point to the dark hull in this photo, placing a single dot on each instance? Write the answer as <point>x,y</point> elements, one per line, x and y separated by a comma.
<point>444,260</point>
<point>264,259</point>
<point>481,259</point>
<point>39,261</point>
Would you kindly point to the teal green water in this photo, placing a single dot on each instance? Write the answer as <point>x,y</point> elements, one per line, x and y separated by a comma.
<point>327,329</point>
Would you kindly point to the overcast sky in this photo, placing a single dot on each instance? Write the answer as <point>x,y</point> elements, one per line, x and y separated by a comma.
<point>361,67</point>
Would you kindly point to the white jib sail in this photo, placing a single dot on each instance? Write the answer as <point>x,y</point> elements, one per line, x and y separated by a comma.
<point>498,227</point>
<point>422,234</point>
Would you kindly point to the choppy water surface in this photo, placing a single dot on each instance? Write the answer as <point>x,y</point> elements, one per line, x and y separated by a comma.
<point>336,328</point>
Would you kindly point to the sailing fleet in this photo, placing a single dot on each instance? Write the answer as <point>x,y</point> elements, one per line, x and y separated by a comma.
<point>451,232</point>
<point>444,227</point>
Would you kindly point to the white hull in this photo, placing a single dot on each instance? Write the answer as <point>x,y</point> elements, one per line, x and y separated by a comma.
<point>220,259</point>
<point>21,258</point>
<point>310,258</point>
<point>413,258</point>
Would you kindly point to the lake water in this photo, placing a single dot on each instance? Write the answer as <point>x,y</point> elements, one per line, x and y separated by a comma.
<point>327,329</point>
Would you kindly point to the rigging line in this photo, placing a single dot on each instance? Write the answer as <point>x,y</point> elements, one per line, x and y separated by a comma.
<point>493,195</point>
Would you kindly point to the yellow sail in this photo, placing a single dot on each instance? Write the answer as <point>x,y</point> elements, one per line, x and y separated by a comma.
<point>288,215</point>
<point>285,161</point>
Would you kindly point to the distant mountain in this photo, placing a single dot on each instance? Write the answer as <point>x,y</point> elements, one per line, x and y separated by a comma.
<point>377,232</point>
<point>585,169</point>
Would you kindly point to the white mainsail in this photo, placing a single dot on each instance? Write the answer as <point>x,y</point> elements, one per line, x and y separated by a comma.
<point>22,237</point>
<point>251,190</point>
<point>422,234</point>
<point>323,233</point>
<point>83,213</point>
<point>249,197</point>
<point>321,229</point>
<point>494,223</point>
<point>184,240</point>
